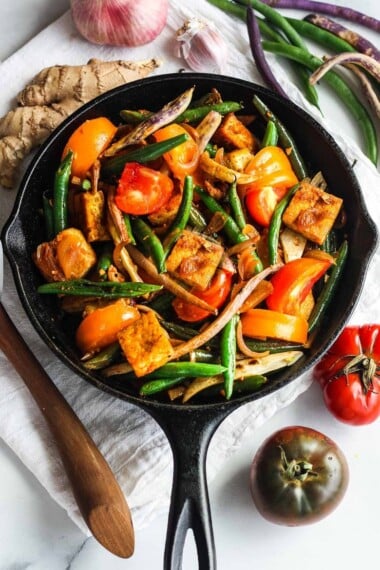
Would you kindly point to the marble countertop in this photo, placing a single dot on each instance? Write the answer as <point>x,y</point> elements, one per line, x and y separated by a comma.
<point>38,535</point>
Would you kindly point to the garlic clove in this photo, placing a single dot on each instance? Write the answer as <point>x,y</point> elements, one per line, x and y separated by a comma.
<point>201,46</point>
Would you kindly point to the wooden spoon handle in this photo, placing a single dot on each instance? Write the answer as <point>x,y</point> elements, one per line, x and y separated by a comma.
<point>99,497</point>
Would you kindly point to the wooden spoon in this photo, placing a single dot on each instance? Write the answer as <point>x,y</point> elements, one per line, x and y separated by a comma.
<point>99,497</point>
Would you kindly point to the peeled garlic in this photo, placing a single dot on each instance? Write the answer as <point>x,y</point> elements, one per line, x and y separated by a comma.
<point>201,46</point>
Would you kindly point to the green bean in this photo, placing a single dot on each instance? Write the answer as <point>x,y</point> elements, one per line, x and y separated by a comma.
<point>270,137</point>
<point>114,166</point>
<point>275,224</point>
<point>230,227</point>
<point>320,36</point>
<point>104,289</point>
<point>196,219</point>
<point>236,206</point>
<point>127,222</point>
<point>104,358</point>
<point>330,243</point>
<point>340,87</point>
<point>285,139</point>
<point>150,242</point>
<point>48,216</point>
<point>328,291</point>
<point>278,20</point>
<point>211,149</point>
<point>249,384</point>
<point>182,216</point>
<point>186,369</point>
<point>186,333</point>
<point>60,193</point>
<point>191,115</point>
<point>273,346</point>
<point>155,386</point>
<point>228,355</point>
<point>104,262</point>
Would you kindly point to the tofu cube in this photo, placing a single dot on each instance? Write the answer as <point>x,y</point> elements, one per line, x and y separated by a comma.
<point>312,212</point>
<point>145,344</point>
<point>194,259</point>
<point>90,209</point>
<point>233,134</point>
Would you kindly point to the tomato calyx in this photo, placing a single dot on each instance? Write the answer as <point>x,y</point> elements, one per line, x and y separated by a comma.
<point>296,469</point>
<point>362,365</point>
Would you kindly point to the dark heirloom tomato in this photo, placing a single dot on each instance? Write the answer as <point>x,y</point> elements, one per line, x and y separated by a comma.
<point>298,476</point>
<point>349,375</point>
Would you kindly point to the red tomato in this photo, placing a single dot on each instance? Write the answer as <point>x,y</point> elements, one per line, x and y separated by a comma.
<point>348,375</point>
<point>142,190</point>
<point>215,295</point>
<point>293,282</point>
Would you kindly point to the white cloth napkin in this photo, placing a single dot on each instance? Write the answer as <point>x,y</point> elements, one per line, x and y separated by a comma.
<point>131,441</point>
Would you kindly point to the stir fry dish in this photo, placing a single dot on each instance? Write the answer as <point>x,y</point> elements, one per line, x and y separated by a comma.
<point>190,246</point>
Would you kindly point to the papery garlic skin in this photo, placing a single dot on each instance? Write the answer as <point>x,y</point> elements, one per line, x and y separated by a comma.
<point>120,22</point>
<point>201,46</point>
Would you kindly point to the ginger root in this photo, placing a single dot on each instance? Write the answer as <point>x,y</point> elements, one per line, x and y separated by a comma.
<point>52,95</point>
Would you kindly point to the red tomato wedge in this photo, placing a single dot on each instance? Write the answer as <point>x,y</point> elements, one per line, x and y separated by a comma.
<point>142,190</point>
<point>215,295</point>
<point>293,282</point>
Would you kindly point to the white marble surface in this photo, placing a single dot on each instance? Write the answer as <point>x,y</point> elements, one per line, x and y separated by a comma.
<point>36,534</point>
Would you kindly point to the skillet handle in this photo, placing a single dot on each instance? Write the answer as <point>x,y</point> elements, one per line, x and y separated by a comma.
<point>189,435</point>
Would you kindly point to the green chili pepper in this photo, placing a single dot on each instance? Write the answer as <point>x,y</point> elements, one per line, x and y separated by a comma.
<point>236,206</point>
<point>48,216</point>
<point>228,355</point>
<point>182,216</point>
<point>155,386</point>
<point>104,289</point>
<point>230,227</point>
<point>104,358</point>
<point>60,193</point>
<point>341,88</point>
<point>328,291</point>
<point>191,115</point>
<point>114,166</point>
<point>270,137</point>
<point>284,137</point>
<point>150,242</point>
<point>275,224</point>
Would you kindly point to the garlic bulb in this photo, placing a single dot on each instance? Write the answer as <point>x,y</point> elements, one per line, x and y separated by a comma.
<point>201,46</point>
<point>120,22</point>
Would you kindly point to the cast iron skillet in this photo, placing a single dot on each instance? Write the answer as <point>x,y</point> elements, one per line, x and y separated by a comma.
<point>189,428</point>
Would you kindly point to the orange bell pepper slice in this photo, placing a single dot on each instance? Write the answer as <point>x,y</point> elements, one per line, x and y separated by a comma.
<point>101,327</point>
<point>183,159</point>
<point>274,176</point>
<point>293,282</point>
<point>87,142</point>
<point>264,323</point>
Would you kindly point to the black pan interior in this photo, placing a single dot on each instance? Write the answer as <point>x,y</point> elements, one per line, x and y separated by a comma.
<point>24,230</point>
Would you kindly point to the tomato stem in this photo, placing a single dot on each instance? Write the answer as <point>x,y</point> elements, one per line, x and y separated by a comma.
<point>296,469</point>
<point>364,366</point>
